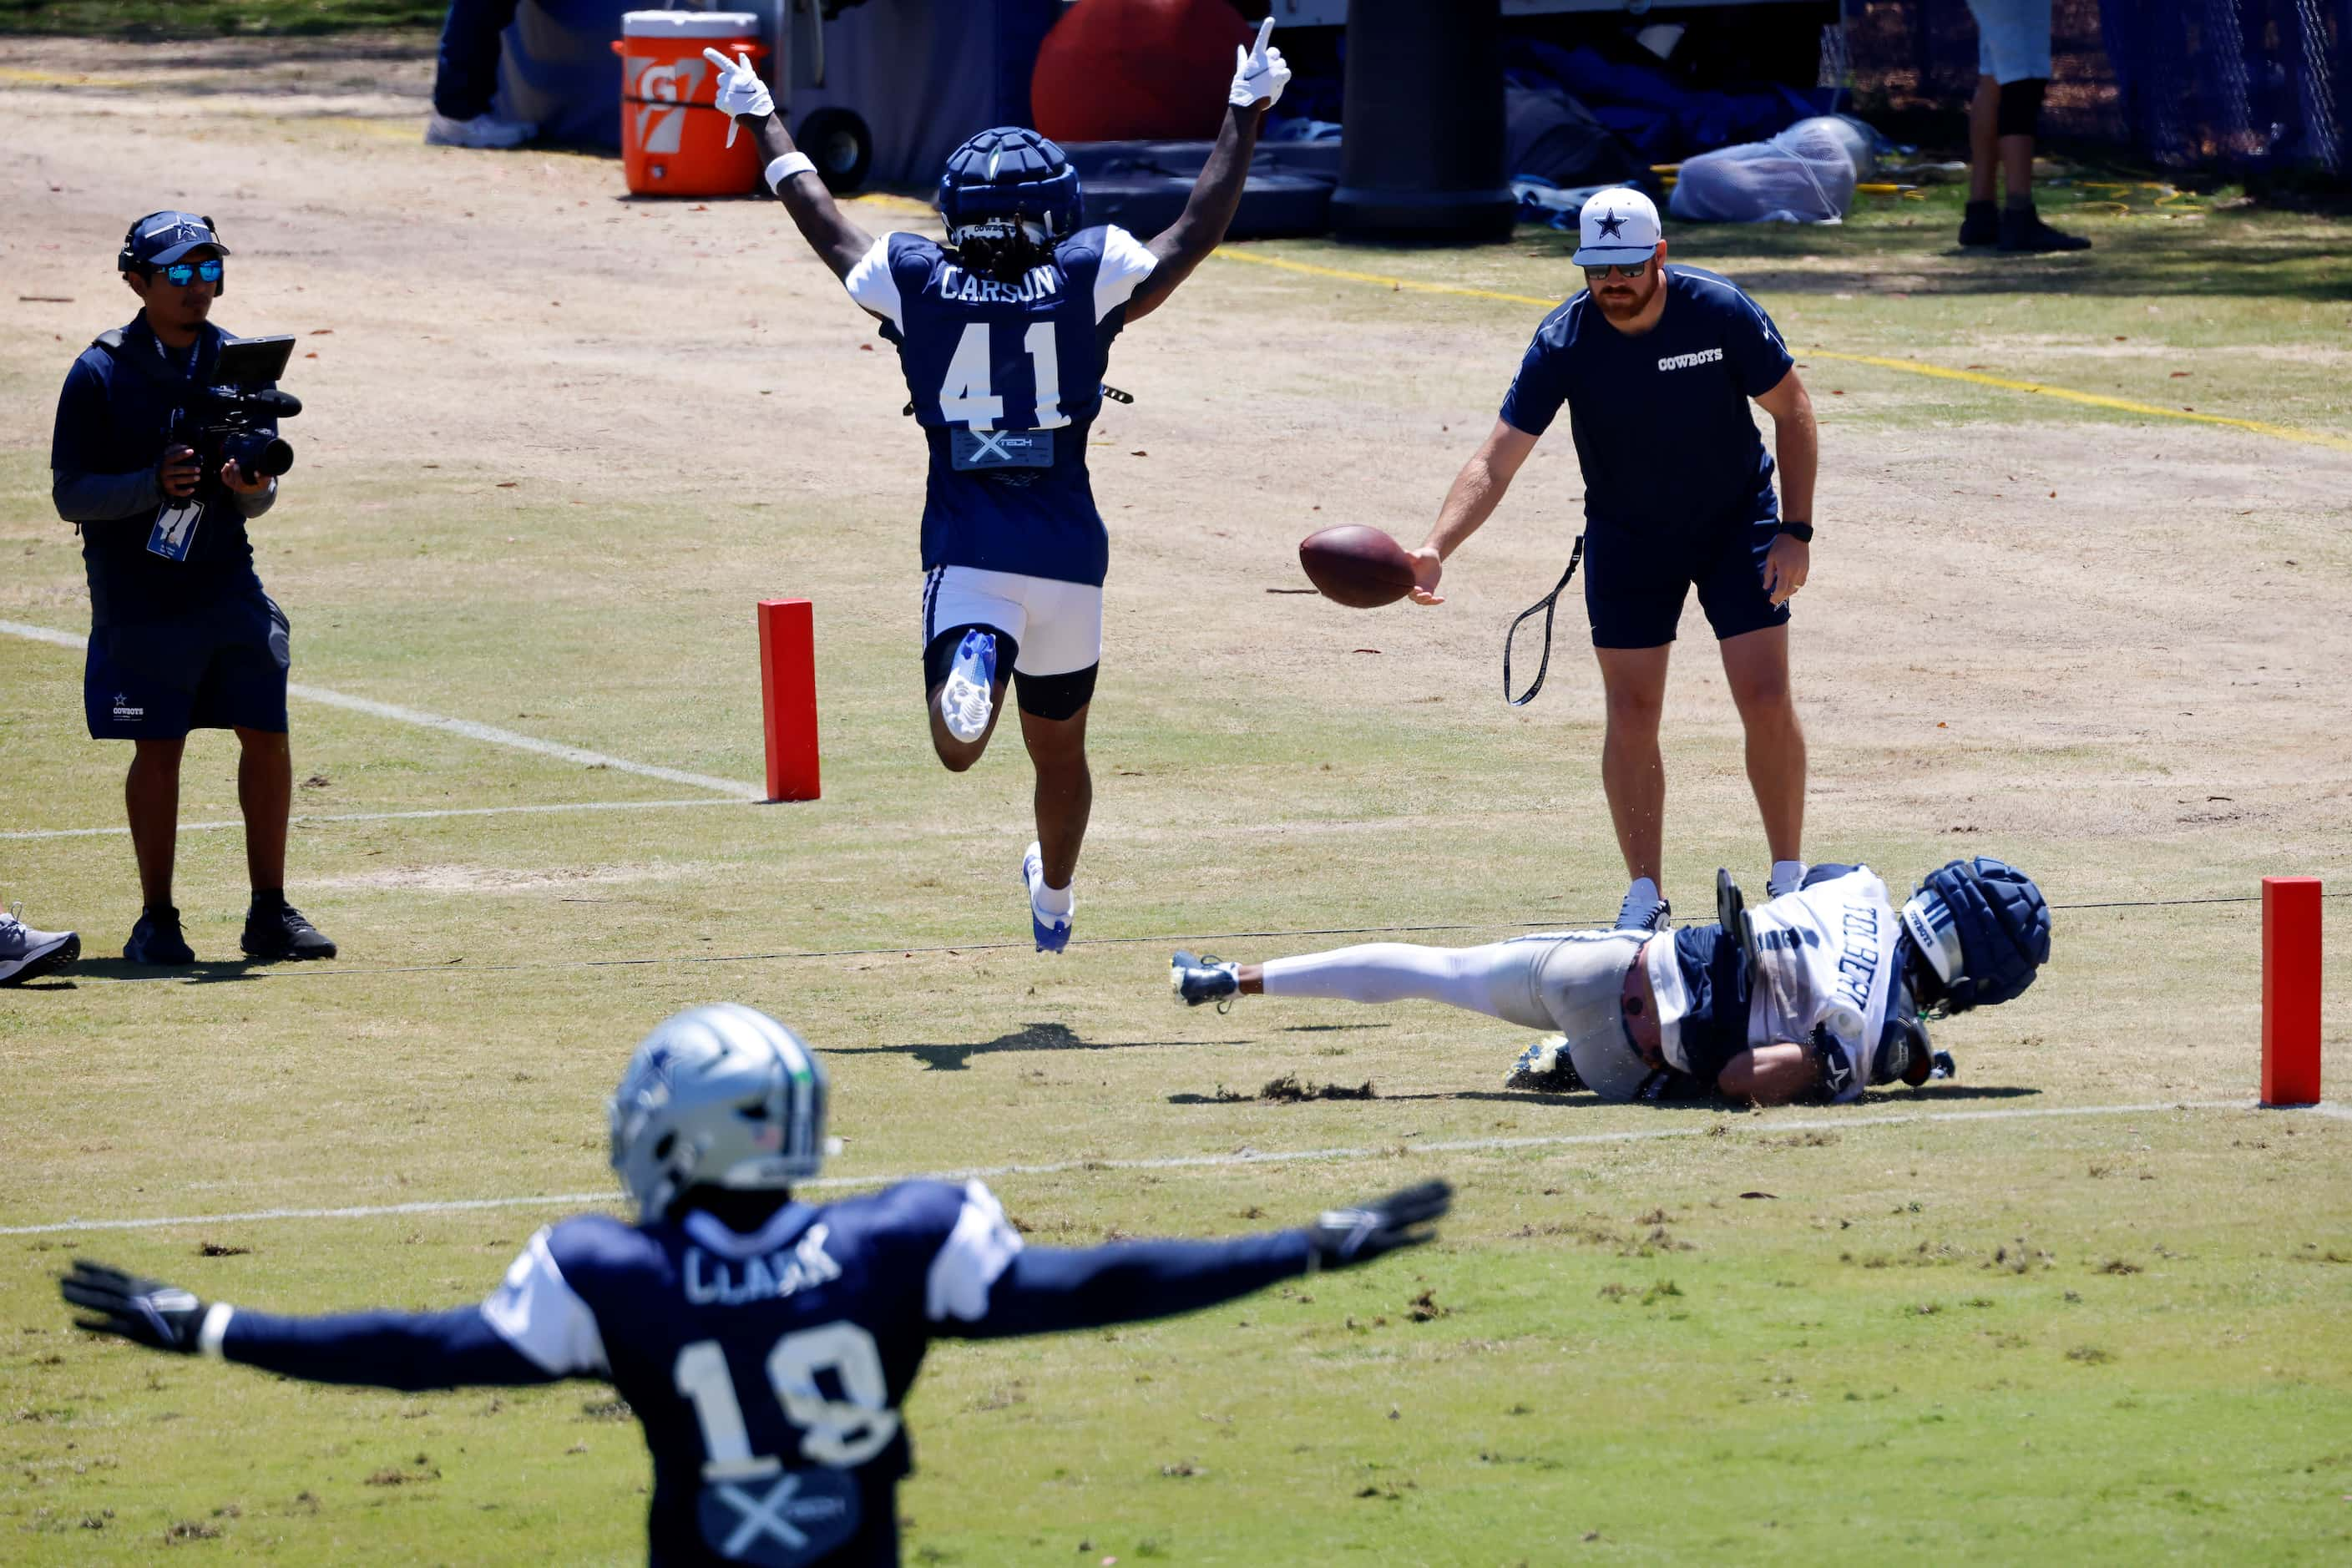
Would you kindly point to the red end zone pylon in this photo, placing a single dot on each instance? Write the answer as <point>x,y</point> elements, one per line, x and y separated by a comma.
<point>2290,990</point>
<point>788,696</point>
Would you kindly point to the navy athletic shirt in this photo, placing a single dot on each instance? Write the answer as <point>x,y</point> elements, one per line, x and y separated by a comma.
<point>768,1369</point>
<point>113,423</point>
<point>1006,379</point>
<point>1662,423</point>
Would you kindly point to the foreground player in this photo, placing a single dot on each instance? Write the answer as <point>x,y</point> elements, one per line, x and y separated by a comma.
<point>766,1345</point>
<point>1817,994</point>
<point>1003,334</point>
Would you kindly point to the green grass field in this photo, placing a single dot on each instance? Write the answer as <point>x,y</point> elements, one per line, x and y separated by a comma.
<point>2083,1304</point>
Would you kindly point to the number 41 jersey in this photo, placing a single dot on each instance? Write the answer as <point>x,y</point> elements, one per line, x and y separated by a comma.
<point>767,1368</point>
<point>1006,379</point>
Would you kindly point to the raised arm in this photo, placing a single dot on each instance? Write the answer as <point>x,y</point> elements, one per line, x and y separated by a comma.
<point>1047,1289</point>
<point>1477,490</point>
<point>838,242</point>
<point>1259,76</point>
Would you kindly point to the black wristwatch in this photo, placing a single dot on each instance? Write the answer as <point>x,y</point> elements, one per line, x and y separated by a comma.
<point>1803,532</point>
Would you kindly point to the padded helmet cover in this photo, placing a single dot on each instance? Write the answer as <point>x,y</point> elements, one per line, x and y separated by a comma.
<point>2003,922</point>
<point>1009,174</point>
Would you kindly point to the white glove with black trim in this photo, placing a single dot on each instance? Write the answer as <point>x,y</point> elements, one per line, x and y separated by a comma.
<point>1260,73</point>
<point>741,90</point>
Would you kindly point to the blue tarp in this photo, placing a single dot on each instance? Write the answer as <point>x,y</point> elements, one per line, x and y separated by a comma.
<point>1663,120</point>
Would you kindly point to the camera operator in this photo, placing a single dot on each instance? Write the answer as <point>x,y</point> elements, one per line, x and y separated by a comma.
<point>182,636</point>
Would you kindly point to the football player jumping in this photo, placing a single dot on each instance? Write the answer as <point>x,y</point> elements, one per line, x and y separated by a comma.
<point>765,1344</point>
<point>1003,332</point>
<point>1818,993</point>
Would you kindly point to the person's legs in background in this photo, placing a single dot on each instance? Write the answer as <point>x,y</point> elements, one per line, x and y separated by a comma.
<point>467,78</point>
<point>2014,69</point>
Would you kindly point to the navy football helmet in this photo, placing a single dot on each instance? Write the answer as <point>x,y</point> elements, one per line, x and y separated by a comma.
<point>1008,193</point>
<point>1982,928</point>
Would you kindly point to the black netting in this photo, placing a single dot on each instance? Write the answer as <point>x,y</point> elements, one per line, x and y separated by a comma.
<point>2239,86</point>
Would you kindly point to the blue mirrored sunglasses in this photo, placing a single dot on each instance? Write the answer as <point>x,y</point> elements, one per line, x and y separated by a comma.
<point>180,274</point>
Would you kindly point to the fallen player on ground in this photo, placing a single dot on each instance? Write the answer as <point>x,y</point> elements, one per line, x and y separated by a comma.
<point>1817,994</point>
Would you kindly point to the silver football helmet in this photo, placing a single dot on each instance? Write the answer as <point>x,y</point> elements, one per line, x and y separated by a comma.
<point>720,1096</point>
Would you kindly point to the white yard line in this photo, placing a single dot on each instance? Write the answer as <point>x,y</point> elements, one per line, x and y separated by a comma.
<point>489,733</point>
<point>1189,1162</point>
<point>399,816</point>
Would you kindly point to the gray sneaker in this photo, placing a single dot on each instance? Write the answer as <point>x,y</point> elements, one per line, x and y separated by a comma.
<point>485,130</point>
<point>1641,914</point>
<point>26,953</point>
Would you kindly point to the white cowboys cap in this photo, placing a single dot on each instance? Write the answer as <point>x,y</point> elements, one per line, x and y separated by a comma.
<point>1617,226</point>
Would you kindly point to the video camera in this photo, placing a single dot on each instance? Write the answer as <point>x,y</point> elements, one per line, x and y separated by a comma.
<point>233,420</point>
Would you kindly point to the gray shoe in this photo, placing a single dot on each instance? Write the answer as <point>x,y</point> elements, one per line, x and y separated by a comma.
<point>26,953</point>
<point>1645,915</point>
<point>485,130</point>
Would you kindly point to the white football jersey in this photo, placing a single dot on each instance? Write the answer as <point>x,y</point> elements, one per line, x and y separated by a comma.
<point>1824,971</point>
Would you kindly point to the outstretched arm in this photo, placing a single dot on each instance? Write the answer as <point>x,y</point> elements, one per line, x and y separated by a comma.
<point>838,242</point>
<point>1046,1289</point>
<point>1477,490</point>
<point>1259,76</point>
<point>407,1351</point>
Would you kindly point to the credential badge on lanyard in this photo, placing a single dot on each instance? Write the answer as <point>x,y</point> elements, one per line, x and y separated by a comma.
<point>174,534</point>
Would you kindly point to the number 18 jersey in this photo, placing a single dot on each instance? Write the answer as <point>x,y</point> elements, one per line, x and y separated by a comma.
<point>1006,380</point>
<point>767,1369</point>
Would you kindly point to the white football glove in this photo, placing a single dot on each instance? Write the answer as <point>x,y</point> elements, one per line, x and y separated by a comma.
<point>741,90</point>
<point>1260,73</point>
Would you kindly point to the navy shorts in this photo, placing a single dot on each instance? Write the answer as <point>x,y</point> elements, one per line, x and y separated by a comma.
<point>220,667</point>
<point>1636,582</point>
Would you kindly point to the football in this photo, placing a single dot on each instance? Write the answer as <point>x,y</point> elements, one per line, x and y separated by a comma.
<point>1358,565</point>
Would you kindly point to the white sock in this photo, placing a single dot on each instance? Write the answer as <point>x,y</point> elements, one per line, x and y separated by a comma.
<point>1786,875</point>
<point>1646,889</point>
<point>1051,901</point>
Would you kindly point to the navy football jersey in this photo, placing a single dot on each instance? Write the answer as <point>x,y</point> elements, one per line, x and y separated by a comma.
<point>1006,379</point>
<point>767,1368</point>
<point>1663,429</point>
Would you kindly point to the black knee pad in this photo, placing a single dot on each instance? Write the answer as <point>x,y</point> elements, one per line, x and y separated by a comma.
<point>1056,697</point>
<point>939,654</point>
<point>2020,107</point>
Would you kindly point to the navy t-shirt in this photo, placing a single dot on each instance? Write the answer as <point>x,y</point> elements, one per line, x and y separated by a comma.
<point>113,420</point>
<point>1662,424</point>
<point>1006,380</point>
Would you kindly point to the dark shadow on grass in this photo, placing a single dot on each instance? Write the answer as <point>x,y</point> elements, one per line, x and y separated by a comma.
<point>202,973</point>
<point>1328,1029</point>
<point>1030,1037</point>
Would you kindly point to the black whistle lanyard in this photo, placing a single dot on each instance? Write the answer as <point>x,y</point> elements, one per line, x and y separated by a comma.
<point>1548,605</point>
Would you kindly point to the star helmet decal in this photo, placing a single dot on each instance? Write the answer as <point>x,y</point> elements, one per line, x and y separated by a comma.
<point>1611,227</point>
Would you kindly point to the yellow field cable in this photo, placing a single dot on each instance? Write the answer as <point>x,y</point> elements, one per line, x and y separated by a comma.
<point>1908,367</point>
<point>63,79</point>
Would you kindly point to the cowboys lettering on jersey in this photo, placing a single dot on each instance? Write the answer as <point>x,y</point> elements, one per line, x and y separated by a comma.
<point>766,1345</point>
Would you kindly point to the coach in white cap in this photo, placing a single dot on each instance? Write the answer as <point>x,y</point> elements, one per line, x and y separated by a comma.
<point>1656,365</point>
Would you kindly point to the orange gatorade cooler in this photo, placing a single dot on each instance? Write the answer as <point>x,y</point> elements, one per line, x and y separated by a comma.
<point>673,141</point>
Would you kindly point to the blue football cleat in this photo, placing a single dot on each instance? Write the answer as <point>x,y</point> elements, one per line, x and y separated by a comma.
<point>968,696</point>
<point>1197,980</point>
<point>1051,930</point>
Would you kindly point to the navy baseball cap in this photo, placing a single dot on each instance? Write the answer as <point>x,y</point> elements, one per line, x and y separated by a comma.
<point>161,238</point>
